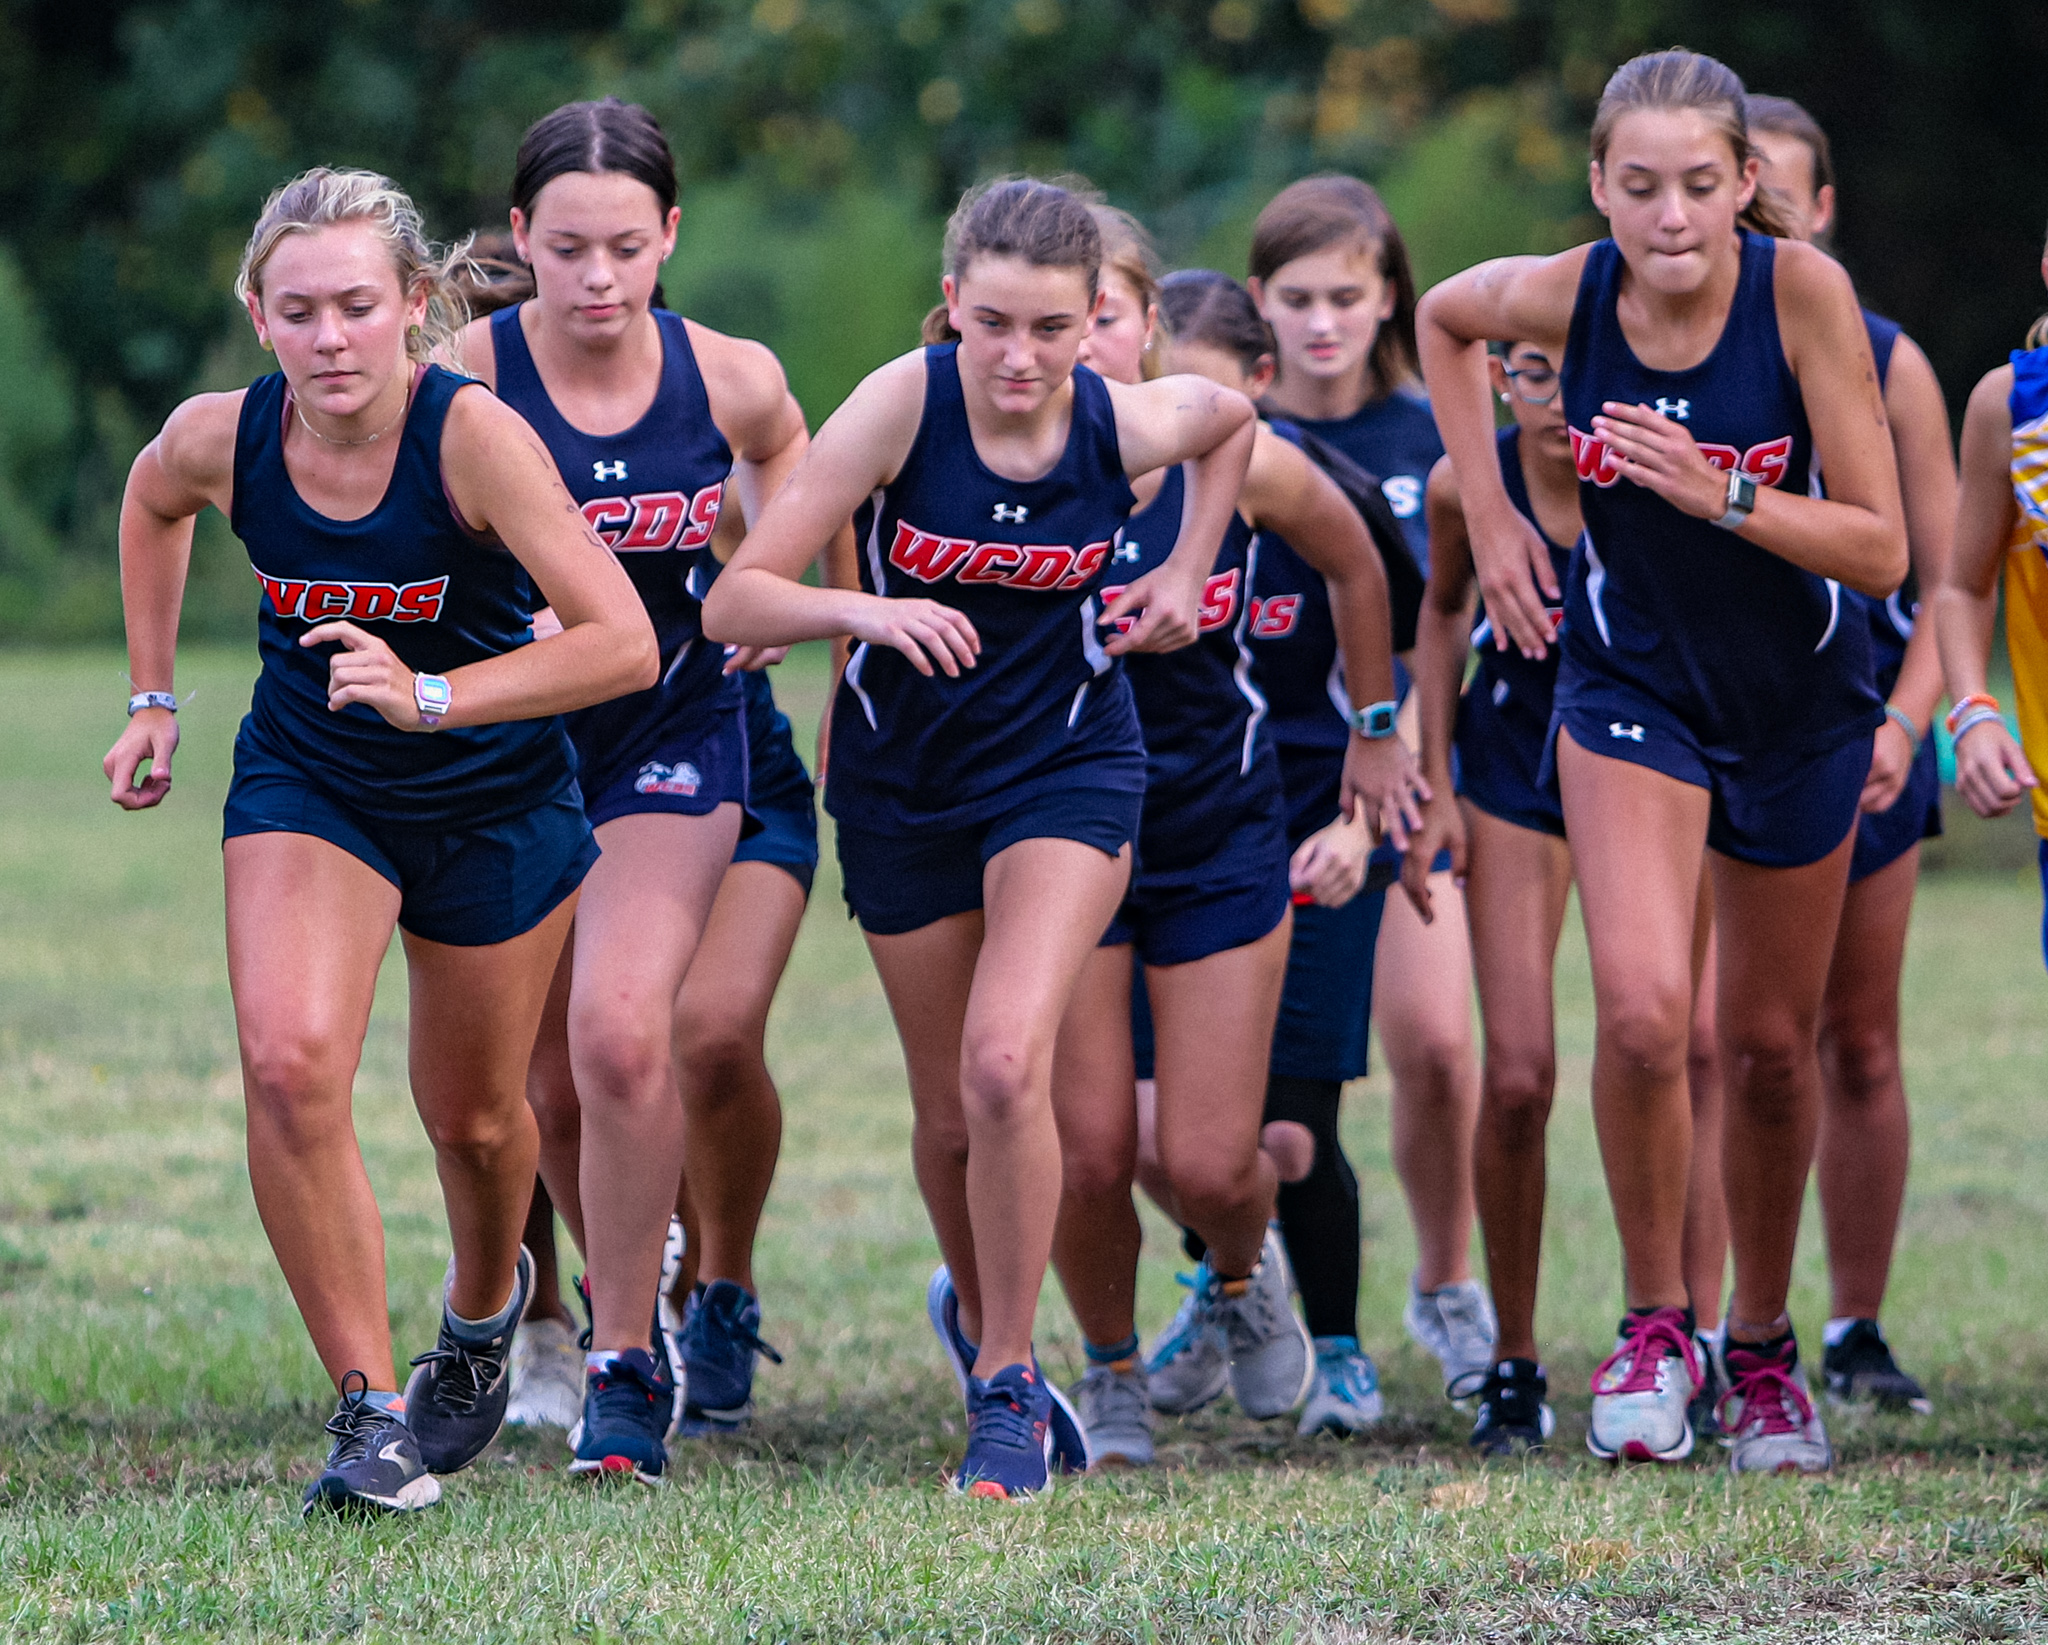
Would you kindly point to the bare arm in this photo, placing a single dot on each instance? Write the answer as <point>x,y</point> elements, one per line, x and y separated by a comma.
<point>1520,299</point>
<point>1442,638</point>
<point>1991,771</point>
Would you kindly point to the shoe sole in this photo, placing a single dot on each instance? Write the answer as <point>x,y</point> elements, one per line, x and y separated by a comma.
<point>410,1498</point>
<point>1334,1424</point>
<point>612,1470</point>
<point>1890,1407</point>
<point>1634,1450</point>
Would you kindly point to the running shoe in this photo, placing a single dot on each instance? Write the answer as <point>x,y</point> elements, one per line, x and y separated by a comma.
<point>1009,1439</point>
<point>942,1308</point>
<point>374,1466</point>
<point>1116,1413</point>
<point>1642,1389</point>
<point>666,1341</point>
<point>1704,1411</point>
<point>1770,1417</point>
<point>1514,1409</point>
<point>1344,1394</point>
<point>547,1375</point>
<point>1190,1364</point>
<point>1272,1356</point>
<point>1859,1370</point>
<point>625,1420</point>
<point>455,1401</point>
<point>718,1344</point>
<point>1456,1324</point>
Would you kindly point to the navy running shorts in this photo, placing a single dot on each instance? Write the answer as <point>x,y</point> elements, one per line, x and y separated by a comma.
<point>686,760</point>
<point>1230,897</point>
<point>1770,809</point>
<point>1500,757</point>
<point>903,881</point>
<point>779,791</point>
<point>1915,815</point>
<point>2042,853</point>
<point>467,888</point>
<point>1326,1003</point>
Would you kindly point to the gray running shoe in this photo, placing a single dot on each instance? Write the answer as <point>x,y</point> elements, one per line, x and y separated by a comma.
<point>1190,1364</point>
<point>1272,1356</point>
<point>1115,1408</point>
<point>1344,1397</point>
<point>1768,1413</point>
<point>1456,1324</point>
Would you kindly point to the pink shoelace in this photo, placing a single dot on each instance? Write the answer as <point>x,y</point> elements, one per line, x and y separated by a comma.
<point>1767,1393</point>
<point>1647,1340</point>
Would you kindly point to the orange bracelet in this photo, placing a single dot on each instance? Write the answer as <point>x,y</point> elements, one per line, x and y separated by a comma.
<point>1976,699</point>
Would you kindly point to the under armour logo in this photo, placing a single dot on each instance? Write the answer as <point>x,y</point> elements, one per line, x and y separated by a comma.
<point>609,471</point>
<point>1011,513</point>
<point>1633,733</point>
<point>1678,410</point>
<point>1127,552</point>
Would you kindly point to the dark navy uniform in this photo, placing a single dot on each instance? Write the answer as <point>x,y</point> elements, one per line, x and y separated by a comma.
<point>779,791</point>
<point>1395,438</point>
<point>1211,870</point>
<point>1504,715</point>
<point>652,493</point>
<point>480,827</point>
<point>1686,648</point>
<point>931,776</point>
<point>1915,815</point>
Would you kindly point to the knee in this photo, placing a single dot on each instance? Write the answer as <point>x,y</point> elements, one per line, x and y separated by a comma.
<point>621,1057</point>
<point>1002,1081</point>
<point>1650,1035</point>
<point>1863,1062</point>
<point>298,1083</point>
<point>1765,1060</point>
<point>476,1135</point>
<point>1090,1174</point>
<point>1517,1098</point>
<point>1211,1184</point>
<point>713,1049</point>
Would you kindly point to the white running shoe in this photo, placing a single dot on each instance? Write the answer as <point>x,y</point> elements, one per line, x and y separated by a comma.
<point>1115,1407</point>
<point>1190,1363</point>
<point>1642,1389</point>
<point>1772,1423</point>
<point>1344,1396</point>
<point>547,1375</point>
<point>1272,1356</point>
<point>1456,1324</point>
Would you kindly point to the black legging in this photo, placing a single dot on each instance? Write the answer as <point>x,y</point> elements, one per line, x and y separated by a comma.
<point>1319,1214</point>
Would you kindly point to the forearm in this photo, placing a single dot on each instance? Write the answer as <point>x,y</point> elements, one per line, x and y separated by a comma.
<point>1462,402</point>
<point>1214,481</point>
<point>155,555</point>
<point>1438,671</point>
<point>1365,635</point>
<point>751,605</point>
<point>1916,693</point>
<point>1963,623</point>
<point>588,662</point>
<point>1855,546</point>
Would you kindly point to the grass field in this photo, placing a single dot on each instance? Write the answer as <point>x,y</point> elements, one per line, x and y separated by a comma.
<point>160,1406</point>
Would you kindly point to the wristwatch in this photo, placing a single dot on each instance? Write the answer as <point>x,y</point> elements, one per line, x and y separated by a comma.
<point>1741,500</point>
<point>1375,721</point>
<point>431,696</point>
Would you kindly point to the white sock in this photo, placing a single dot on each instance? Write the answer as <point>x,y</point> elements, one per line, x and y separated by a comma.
<point>1832,1333</point>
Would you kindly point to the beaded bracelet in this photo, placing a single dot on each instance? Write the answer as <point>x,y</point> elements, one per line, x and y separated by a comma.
<point>1904,721</point>
<point>1976,717</point>
<point>1976,699</point>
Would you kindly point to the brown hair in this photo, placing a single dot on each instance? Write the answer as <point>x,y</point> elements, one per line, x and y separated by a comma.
<point>495,277</point>
<point>1680,79</point>
<point>1199,305</point>
<point>1782,117</point>
<point>1332,210</point>
<point>1049,225</point>
<point>2037,333</point>
<point>593,137</point>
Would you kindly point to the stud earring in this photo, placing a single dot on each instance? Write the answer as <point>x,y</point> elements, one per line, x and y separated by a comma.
<point>1503,399</point>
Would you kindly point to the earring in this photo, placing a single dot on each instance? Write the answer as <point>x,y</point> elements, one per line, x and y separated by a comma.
<point>1503,399</point>
<point>415,334</point>
<point>268,346</point>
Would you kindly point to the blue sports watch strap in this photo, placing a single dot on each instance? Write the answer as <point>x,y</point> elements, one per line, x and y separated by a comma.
<point>1375,721</point>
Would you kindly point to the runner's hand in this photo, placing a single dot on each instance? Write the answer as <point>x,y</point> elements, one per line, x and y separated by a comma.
<point>1517,581</point>
<point>366,670</point>
<point>1329,866</point>
<point>1168,614</point>
<point>1380,777</point>
<point>751,659</point>
<point>1443,829</point>
<point>144,748</point>
<point>1891,763</point>
<point>1659,454</point>
<point>925,631</point>
<point>1991,771</point>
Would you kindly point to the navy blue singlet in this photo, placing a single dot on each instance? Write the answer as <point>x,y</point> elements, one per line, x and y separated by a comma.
<point>1045,707</point>
<point>1208,757</point>
<point>1751,653</point>
<point>1394,438</point>
<point>1516,685</point>
<point>412,573</point>
<point>652,492</point>
<point>1891,619</point>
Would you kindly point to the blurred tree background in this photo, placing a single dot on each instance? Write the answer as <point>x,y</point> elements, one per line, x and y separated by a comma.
<point>822,141</point>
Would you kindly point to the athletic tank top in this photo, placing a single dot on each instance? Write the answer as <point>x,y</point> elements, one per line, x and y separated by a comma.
<point>1206,752</point>
<point>1747,649</point>
<point>1024,560</point>
<point>652,493</point>
<point>410,572</point>
<point>2026,564</point>
<point>1516,685</point>
<point>1891,618</point>
<point>1395,438</point>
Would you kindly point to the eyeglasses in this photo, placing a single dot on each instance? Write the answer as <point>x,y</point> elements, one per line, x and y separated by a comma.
<point>1533,385</point>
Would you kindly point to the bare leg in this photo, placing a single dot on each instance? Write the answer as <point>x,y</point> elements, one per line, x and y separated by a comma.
<point>1865,1135</point>
<point>1097,1238</point>
<point>1637,841</point>
<point>1422,1001</point>
<point>539,1238</point>
<point>1706,1207</point>
<point>732,1111</point>
<point>1516,888</point>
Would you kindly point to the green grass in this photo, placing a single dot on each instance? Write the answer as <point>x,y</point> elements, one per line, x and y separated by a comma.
<point>160,1407</point>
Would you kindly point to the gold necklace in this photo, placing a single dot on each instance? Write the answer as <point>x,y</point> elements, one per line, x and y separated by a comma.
<point>367,439</point>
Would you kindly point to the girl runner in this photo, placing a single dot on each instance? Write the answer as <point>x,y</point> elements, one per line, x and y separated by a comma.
<point>2002,519</point>
<point>649,416</point>
<point>392,521</point>
<point>1710,697</point>
<point>1330,274</point>
<point>1207,909</point>
<point>1865,1139</point>
<point>986,762</point>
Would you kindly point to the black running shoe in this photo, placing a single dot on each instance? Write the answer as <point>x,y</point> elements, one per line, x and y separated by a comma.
<point>1860,1370</point>
<point>1704,1413</point>
<point>375,1466</point>
<point>455,1402</point>
<point>720,1340</point>
<point>1514,1412</point>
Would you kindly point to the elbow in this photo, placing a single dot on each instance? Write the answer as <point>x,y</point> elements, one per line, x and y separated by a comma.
<point>1892,562</point>
<point>639,654</point>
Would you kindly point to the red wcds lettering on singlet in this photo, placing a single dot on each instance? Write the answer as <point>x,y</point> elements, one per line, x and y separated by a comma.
<point>317,601</point>
<point>1765,462</point>
<point>654,521</point>
<point>1038,568</point>
<point>1219,602</point>
<point>1274,617</point>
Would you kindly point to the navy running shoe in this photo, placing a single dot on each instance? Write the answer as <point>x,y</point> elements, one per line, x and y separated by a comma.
<point>374,1466</point>
<point>718,1345</point>
<point>1514,1408</point>
<point>625,1420</point>
<point>1009,1439</point>
<point>1070,1452</point>
<point>455,1401</point>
